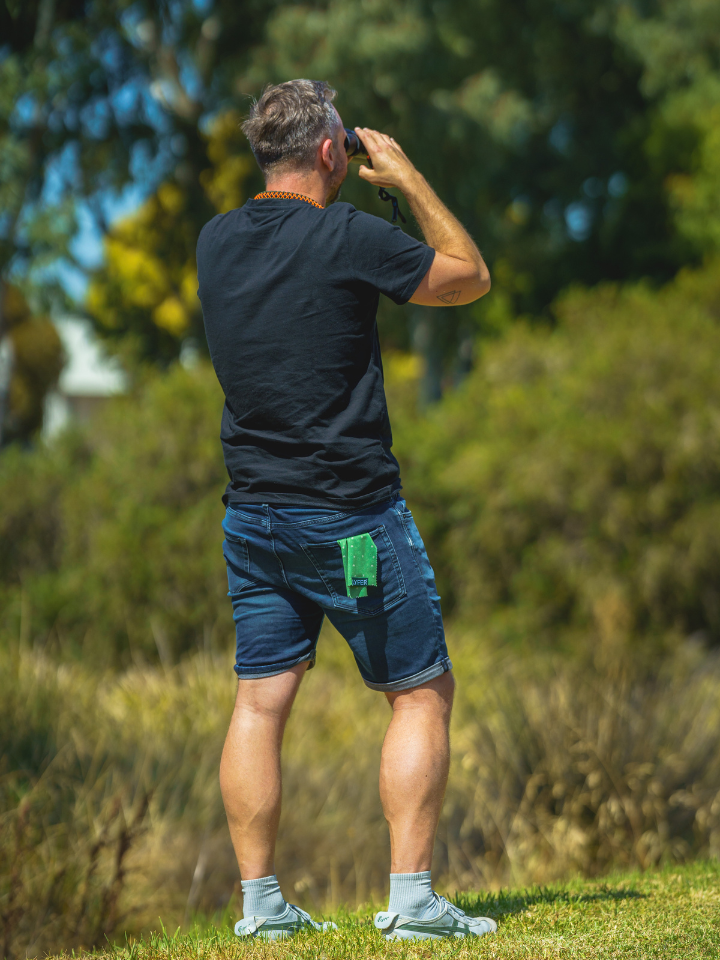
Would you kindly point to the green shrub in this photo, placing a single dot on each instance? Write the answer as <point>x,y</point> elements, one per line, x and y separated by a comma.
<point>570,489</point>
<point>569,494</point>
<point>114,532</point>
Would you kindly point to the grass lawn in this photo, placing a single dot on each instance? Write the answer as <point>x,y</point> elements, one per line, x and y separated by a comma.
<point>672,913</point>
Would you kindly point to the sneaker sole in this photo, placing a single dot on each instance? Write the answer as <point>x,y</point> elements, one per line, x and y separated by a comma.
<point>428,935</point>
<point>285,934</point>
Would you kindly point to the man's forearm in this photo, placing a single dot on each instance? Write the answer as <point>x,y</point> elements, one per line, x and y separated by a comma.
<point>441,229</point>
<point>458,274</point>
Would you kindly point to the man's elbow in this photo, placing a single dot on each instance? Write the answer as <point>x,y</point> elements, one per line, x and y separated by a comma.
<point>470,288</point>
<point>481,283</point>
<point>474,284</point>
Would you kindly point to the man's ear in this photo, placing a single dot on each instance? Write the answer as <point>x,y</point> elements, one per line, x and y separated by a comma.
<point>328,154</point>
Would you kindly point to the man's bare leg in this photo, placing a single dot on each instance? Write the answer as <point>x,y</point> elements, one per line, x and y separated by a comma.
<point>413,777</point>
<point>414,770</point>
<point>250,776</point>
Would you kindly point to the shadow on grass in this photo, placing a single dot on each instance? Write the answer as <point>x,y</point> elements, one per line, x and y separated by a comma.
<point>506,904</point>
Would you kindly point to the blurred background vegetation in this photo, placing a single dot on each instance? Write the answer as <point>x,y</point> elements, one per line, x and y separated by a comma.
<point>559,442</point>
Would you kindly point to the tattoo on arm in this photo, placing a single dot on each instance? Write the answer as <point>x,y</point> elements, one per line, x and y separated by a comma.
<point>451,296</point>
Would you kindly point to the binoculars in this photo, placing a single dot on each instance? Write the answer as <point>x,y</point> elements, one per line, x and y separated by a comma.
<point>355,148</point>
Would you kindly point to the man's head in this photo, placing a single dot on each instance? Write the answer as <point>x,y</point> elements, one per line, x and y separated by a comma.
<point>294,128</point>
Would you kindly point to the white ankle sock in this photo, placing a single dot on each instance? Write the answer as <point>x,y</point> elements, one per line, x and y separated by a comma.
<point>411,895</point>
<point>262,898</point>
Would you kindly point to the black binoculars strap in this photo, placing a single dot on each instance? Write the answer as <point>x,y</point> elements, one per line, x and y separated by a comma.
<point>397,212</point>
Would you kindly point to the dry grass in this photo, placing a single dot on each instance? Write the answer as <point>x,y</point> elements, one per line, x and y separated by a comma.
<point>555,773</point>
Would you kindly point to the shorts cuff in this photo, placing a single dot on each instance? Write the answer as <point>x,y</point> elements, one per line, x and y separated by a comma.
<point>416,679</point>
<point>258,673</point>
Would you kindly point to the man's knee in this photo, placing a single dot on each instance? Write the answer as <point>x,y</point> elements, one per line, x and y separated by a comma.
<point>435,694</point>
<point>270,697</point>
<point>445,688</point>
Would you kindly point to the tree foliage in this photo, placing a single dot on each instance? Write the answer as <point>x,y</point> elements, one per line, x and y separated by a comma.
<point>578,142</point>
<point>144,298</point>
<point>35,360</point>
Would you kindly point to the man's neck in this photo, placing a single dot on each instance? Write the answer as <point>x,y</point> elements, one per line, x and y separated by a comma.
<point>309,185</point>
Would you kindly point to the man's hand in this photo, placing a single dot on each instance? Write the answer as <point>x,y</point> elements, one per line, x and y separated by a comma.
<point>391,167</point>
<point>458,273</point>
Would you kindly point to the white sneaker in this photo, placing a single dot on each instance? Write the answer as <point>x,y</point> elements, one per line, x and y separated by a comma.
<point>449,922</point>
<point>286,925</point>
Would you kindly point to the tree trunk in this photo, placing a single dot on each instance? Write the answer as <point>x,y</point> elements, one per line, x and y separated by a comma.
<point>425,341</point>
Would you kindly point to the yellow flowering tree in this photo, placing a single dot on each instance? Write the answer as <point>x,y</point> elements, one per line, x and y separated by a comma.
<point>224,182</point>
<point>144,297</point>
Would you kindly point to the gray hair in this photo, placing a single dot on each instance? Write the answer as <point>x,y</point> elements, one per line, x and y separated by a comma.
<point>289,121</point>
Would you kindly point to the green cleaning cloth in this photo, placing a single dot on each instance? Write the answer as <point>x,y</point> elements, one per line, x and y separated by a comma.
<point>359,556</point>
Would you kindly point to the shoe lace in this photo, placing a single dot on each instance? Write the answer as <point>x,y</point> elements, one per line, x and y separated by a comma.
<point>454,911</point>
<point>301,913</point>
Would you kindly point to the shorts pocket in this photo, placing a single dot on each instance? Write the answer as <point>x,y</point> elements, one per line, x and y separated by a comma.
<point>237,560</point>
<point>327,560</point>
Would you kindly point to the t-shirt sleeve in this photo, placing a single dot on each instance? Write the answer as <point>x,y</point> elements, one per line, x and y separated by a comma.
<point>383,255</point>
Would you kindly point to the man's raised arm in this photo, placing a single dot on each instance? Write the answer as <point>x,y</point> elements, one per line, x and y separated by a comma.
<point>458,273</point>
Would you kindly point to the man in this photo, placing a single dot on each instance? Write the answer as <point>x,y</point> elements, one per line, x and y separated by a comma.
<point>315,523</point>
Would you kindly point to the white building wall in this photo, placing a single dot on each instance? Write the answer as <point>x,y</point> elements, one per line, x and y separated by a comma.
<point>87,380</point>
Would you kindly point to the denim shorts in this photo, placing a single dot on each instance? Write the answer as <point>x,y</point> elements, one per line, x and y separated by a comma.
<point>285,572</point>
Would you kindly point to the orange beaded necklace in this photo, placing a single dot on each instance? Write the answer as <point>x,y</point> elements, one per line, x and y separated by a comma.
<point>285,195</point>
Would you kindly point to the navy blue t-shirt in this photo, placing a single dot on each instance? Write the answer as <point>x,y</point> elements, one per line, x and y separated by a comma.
<point>289,294</point>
